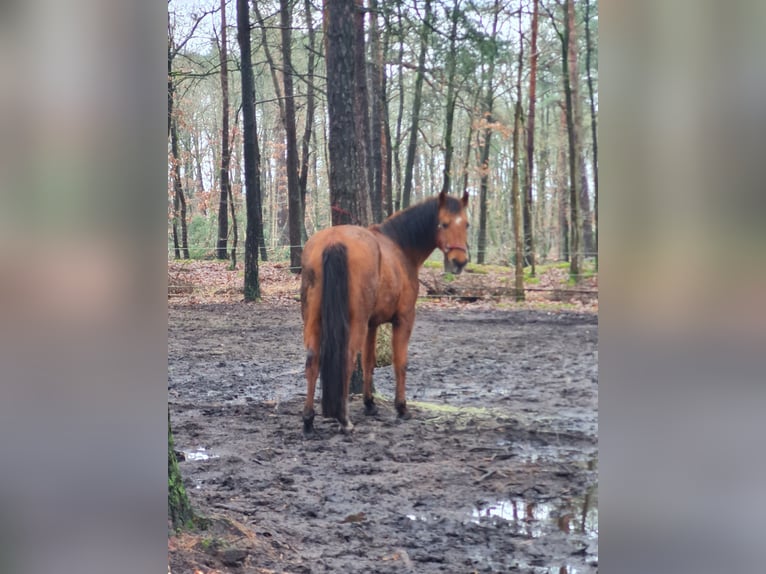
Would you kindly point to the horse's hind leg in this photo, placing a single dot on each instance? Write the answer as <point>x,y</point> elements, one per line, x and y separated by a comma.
<point>356,338</point>
<point>368,365</point>
<point>311,336</point>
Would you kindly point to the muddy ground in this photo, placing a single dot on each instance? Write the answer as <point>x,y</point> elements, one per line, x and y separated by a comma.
<point>496,472</point>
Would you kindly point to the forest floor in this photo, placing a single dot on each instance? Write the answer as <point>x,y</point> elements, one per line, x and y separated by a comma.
<point>497,470</point>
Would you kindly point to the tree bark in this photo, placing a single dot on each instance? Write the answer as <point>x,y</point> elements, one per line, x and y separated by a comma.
<point>295,214</point>
<point>339,50</point>
<point>254,230</point>
<point>529,235</point>
<point>223,205</point>
<point>412,146</point>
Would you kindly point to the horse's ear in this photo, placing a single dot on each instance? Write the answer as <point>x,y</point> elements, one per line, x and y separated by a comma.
<point>465,198</point>
<point>442,199</point>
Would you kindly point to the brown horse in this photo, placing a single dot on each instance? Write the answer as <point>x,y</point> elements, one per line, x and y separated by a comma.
<point>354,279</point>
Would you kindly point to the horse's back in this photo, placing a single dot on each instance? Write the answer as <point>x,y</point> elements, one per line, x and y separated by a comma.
<point>363,255</point>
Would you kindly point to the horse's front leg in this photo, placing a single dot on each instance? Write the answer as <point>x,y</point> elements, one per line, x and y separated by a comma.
<point>368,365</point>
<point>401,338</point>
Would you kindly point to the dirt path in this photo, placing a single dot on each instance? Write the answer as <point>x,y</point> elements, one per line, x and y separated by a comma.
<point>496,472</point>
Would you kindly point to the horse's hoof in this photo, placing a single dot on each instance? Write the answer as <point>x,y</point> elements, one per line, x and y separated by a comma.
<point>308,427</point>
<point>370,409</point>
<point>404,414</point>
<point>346,428</point>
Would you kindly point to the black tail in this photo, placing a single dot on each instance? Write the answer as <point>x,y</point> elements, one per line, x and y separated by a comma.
<point>335,317</point>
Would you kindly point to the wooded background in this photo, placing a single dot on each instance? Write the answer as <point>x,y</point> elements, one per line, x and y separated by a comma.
<point>361,108</point>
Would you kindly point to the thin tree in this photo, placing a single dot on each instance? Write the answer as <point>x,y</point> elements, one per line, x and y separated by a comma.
<point>179,198</point>
<point>593,126</point>
<point>451,98</point>
<point>584,196</point>
<point>339,51</point>
<point>575,247</point>
<point>575,229</point>
<point>449,118</point>
<point>387,152</point>
<point>397,201</point>
<point>252,156</point>
<point>310,108</point>
<point>529,235</point>
<point>295,214</point>
<point>489,100</point>
<point>362,146</point>
<point>416,101</point>
<point>378,132</point>
<point>223,205</point>
<point>515,192</point>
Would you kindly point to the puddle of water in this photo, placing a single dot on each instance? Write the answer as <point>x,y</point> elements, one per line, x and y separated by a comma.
<point>534,519</point>
<point>198,454</point>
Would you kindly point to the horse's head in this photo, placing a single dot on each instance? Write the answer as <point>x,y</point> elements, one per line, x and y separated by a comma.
<point>452,232</point>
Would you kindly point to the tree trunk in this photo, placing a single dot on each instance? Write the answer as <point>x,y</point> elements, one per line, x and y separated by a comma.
<point>378,139</point>
<point>176,246</point>
<point>575,248</point>
<point>529,235</point>
<point>363,159</point>
<point>451,100</point>
<point>339,49</point>
<point>200,184</point>
<point>179,200</point>
<point>223,205</point>
<point>412,146</point>
<point>594,134</point>
<point>586,238</point>
<point>484,167</point>
<point>295,215</point>
<point>180,512</point>
<point>563,191</point>
<point>518,239</point>
<point>397,202</point>
<point>310,107</point>
<point>270,60</point>
<point>235,234</point>
<point>254,231</point>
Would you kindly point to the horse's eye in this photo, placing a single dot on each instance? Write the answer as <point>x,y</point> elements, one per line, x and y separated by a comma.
<point>444,225</point>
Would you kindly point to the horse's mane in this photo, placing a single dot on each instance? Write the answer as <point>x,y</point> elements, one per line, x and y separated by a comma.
<point>415,227</point>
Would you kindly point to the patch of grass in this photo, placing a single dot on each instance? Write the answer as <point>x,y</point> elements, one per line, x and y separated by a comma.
<point>449,277</point>
<point>443,408</point>
<point>476,268</point>
<point>433,265</point>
